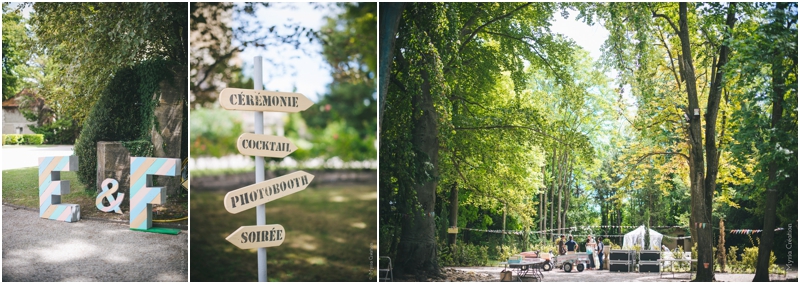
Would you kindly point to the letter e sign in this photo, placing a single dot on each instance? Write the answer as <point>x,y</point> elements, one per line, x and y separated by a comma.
<point>51,188</point>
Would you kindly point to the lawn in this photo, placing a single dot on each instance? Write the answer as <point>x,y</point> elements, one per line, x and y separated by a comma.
<point>331,235</point>
<point>21,187</point>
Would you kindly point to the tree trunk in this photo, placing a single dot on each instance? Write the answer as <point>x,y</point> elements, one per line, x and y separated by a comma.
<point>700,209</point>
<point>390,15</point>
<point>451,238</point>
<point>771,204</point>
<point>560,188</point>
<point>552,191</point>
<point>417,248</point>
<point>723,257</point>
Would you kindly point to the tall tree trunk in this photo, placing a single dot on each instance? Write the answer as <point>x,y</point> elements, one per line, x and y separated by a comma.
<point>390,15</point>
<point>771,204</point>
<point>561,168</point>
<point>451,238</point>
<point>417,248</point>
<point>567,188</point>
<point>553,191</point>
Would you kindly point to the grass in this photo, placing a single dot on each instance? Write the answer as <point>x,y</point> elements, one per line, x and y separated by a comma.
<point>331,234</point>
<point>21,187</point>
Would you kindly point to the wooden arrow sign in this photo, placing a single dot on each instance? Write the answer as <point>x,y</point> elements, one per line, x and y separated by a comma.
<point>253,195</point>
<point>255,100</point>
<point>264,236</point>
<point>264,145</point>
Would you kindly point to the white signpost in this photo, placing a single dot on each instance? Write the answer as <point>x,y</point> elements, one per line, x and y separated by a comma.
<point>256,144</point>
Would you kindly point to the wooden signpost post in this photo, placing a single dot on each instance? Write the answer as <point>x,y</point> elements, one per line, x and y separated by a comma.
<point>256,144</point>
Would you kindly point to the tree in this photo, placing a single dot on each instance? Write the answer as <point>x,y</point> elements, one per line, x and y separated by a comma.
<point>215,43</point>
<point>90,41</point>
<point>15,51</point>
<point>455,97</point>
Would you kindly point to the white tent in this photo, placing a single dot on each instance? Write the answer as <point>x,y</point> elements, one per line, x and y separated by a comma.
<point>636,237</point>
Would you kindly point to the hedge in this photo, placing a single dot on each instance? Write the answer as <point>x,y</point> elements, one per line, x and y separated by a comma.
<point>124,112</point>
<point>26,139</point>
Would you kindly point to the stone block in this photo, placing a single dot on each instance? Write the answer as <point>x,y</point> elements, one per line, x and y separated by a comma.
<point>114,161</point>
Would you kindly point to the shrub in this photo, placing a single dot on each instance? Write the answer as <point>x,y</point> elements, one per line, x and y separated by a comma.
<point>505,251</point>
<point>60,132</point>
<point>33,139</point>
<point>463,255</point>
<point>15,139</point>
<point>124,112</point>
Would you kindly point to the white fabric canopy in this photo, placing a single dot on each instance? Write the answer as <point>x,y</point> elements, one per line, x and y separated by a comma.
<point>636,237</point>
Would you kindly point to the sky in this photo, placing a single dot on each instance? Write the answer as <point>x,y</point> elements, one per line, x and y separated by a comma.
<point>310,74</point>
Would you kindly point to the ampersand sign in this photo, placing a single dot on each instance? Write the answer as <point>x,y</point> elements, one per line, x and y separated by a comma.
<point>113,203</point>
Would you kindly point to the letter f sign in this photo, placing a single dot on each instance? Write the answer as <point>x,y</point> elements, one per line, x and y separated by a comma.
<point>143,195</point>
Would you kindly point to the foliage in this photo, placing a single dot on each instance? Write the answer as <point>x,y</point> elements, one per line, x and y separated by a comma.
<point>506,251</point>
<point>139,148</point>
<point>125,112</point>
<point>12,139</point>
<point>26,139</point>
<point>214,132</point>
<point>463,255</point>
<point>92,41</point>
<point>33,139</point>
<point>60,132</point>
<point>218,43</point>
<point>15,51</point>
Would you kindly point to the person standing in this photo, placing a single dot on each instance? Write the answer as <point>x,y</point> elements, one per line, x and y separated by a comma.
<point>600,252</point>
<point>562,249</point>
<point>571,245</point>
<point>591,248</point>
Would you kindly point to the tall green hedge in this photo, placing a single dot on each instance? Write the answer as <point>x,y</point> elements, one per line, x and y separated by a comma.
<point>124,112</point>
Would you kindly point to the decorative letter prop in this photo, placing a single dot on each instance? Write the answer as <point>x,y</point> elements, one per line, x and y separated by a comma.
<point>51,188</point>
<point>112,203</point>
<point>143,196</point>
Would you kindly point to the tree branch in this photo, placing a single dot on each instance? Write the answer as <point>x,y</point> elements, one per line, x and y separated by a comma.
<point>510,127</point>
<point>674,27</point>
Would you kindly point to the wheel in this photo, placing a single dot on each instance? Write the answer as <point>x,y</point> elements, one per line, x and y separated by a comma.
<point>581,267</point>
<point>547,266</point>
<point>567,267</point>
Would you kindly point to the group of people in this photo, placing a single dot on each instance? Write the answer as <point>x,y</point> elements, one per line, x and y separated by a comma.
<point>593,249</point>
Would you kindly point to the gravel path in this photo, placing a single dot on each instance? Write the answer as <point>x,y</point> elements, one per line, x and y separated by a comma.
<point>36,249</point>
<point>606,276</point>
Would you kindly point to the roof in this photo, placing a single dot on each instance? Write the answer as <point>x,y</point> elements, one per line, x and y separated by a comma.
<point>11,103</point>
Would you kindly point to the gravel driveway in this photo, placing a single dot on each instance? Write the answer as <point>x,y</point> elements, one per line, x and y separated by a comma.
<point>36,249</point>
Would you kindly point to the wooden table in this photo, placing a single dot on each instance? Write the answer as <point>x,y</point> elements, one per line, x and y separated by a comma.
<point>533,266</point>
<point>672,266</point>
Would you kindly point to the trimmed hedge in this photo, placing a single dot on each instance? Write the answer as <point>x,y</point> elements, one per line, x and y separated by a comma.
<point>33,139</point>
<point>124,112</point>
<point>26,139</point>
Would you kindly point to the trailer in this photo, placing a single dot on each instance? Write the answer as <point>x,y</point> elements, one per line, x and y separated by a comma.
<point>580,261</point>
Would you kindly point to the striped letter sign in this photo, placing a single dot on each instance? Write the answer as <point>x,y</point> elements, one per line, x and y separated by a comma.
<point>51,188</point>
<point>143,196</point>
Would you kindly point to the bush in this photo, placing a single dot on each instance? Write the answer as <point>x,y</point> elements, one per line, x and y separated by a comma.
<point>463,255</point>
<point>26,139</point>
<point>60,132</point>
<point>124,112</point>
<point>505,251</point>
<point>33,139</point>
<point>15,139</point>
